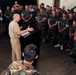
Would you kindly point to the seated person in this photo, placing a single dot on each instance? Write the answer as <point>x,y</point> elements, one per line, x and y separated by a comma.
<point>24,67</point>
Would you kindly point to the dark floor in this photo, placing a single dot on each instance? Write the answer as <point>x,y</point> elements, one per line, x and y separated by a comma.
<point>52,61</point>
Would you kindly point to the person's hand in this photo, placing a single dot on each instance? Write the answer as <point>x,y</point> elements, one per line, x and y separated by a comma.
<point>30,29</point>
<point>39,21</point>
<point>21,27</point>
<point>75,36</point>
<point>26,20</point>
<point>50,27</point>
<point>70,36</point>
<point>7,16</point>
<point>60,31</point>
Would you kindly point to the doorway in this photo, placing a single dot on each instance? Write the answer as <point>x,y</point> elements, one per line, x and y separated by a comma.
<point>57,3</point>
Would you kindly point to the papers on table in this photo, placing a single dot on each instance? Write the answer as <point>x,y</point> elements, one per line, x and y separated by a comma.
<point>26,34</point>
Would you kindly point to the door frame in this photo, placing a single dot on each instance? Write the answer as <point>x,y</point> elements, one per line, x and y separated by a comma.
<point>57,3</point>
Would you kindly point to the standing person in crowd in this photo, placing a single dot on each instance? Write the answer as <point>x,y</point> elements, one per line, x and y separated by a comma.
<point>53,28</point>
<point>58,14</point>
<point>63,9</point>
<point>1,18</point>
<point>24,67</point>
<point>48,11</point>
<point>70,19</point>
<point>16,5</point>
<point>7,17</point>
<point>12,13</point>
<point>26,17</point>
<point>21,8</point>
<point>74,51</point>
<point>31,9</point>
<point>68,11</point>
<point>42,5</point>
<point>71,30</point>
<point>14,33</point>
<point>73,36</point>
<point>41,19</point>
<point>17,10</point>
<point>63,28</point>
<point>74,15</point>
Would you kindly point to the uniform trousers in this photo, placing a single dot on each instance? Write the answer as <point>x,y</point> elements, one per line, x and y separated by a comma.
<point>16,49</point>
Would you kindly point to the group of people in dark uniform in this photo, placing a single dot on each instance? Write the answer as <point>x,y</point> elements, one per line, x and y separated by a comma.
<point>57,25</point>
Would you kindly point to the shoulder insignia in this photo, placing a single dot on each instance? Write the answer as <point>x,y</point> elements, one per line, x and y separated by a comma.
<point>15,67</point>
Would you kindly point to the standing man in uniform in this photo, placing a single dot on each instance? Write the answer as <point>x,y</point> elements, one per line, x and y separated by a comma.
<point>14,33</point>
<point>1,18</point>
<point>63,29</point>
<point>12,12</point>
<point>73,36</point>
<point>16,5</point>
<point>26,17</point>
<point>7,17</point>
<point>41,19</point>
<point>53,28</point>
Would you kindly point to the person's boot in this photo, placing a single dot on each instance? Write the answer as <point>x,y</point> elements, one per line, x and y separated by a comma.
<point>58,45</point>
<point>43,40</point>
<point>61,47</point>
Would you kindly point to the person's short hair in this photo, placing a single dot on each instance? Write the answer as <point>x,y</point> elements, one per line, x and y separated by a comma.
<point>42,4</point>
<point>74,20</point>
<point>64,12</point>
<point>30,52</point>
<point>15,15</point>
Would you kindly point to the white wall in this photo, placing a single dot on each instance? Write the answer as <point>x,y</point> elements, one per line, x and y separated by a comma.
<point>68,3</point>
<point>46,2</point>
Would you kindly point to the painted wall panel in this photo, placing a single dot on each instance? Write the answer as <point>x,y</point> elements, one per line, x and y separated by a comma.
<point>68,3</point>
<point>47,2</point>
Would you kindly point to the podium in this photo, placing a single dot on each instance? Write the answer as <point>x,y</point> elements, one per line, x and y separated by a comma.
<point>31,38</point>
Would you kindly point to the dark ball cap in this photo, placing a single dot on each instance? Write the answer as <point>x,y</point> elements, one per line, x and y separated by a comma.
<point>30,52</point>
